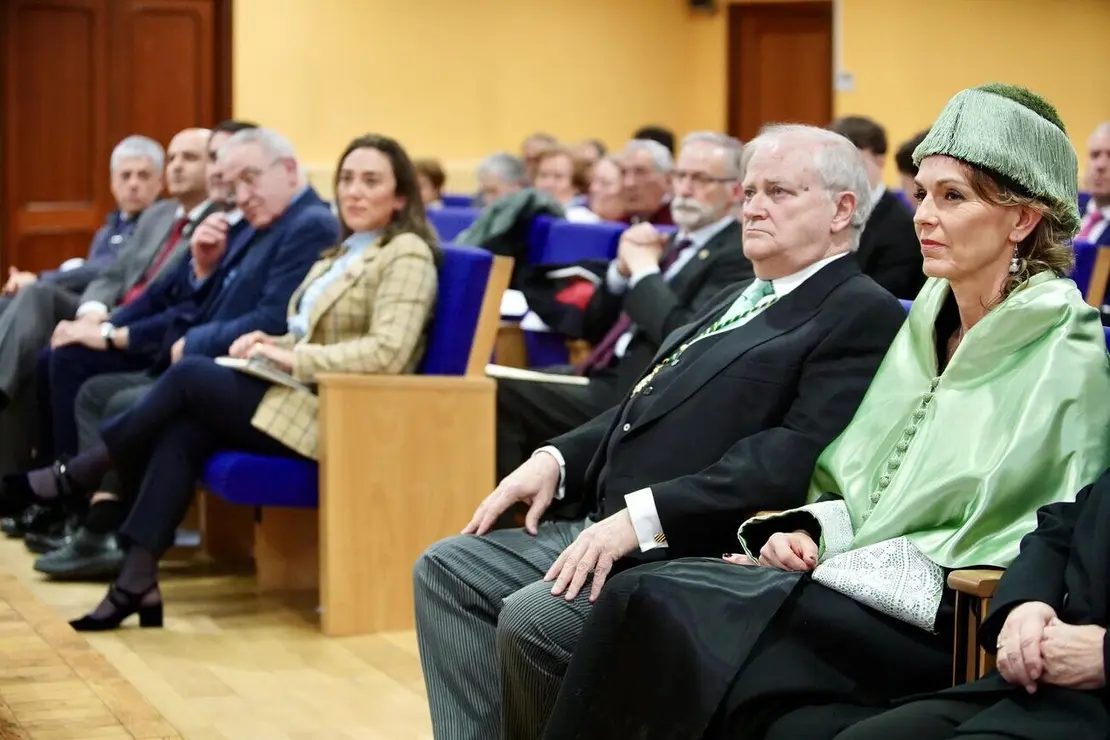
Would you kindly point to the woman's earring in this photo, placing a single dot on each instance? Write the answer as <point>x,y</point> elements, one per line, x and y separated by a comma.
<point>1014,261</point>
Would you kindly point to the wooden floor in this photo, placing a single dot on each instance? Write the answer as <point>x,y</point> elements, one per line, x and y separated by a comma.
<point>231,665</point>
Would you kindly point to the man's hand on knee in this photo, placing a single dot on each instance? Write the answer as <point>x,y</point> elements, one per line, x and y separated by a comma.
<point>533,482</point>
<point>595,551</point>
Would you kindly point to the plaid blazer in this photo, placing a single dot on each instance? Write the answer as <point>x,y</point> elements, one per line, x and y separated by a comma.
<point>373,319</point>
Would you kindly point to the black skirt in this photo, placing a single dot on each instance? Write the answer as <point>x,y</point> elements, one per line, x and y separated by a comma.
<point>701,649</point>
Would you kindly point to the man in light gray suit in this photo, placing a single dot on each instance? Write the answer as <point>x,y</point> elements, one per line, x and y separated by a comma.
<point>42,310</point>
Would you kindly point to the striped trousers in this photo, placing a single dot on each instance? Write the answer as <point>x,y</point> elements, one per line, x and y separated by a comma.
<point>494,643</point>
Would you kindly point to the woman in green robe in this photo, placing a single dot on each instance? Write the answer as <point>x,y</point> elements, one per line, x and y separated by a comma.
<point>990,403</point>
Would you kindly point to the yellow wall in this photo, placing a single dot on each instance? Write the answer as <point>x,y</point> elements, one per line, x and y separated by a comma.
<point>458,79</point>
<point>454,78</point>
<point>909,57</point>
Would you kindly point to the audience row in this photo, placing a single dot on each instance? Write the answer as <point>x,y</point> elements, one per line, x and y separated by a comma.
<point>870,455</point>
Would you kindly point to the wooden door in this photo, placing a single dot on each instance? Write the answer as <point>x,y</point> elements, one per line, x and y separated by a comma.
<point>79,75</point>
<point>780,65</point>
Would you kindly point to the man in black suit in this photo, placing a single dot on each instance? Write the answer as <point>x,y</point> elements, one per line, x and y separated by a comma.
<point>654,286</point>
<point>889,251</point>
<point>729,420</point>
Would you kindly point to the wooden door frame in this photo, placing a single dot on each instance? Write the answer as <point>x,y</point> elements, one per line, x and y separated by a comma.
<point>732,52</point>
<point>222,105</point>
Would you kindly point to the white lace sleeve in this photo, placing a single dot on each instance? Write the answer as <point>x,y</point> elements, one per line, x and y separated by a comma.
<point>893,577</point>
<point>831,517</point>
<point>836,526</point>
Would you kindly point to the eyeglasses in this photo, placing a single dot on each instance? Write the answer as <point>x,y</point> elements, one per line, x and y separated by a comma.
<point>250,177</point>
<point>699,179</point>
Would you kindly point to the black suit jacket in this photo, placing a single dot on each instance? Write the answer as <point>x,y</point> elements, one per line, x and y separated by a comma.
<point>1065,563</point>
<point>889,251</point>
<point>741,428</point>
<point>658,307</point>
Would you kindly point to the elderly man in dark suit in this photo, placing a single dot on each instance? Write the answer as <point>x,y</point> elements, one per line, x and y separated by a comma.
<point>888,250</point>
<point>728,420</point>
<point>654,286</point>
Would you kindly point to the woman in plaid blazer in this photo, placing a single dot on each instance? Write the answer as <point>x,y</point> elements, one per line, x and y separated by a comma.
<point>364,307</point>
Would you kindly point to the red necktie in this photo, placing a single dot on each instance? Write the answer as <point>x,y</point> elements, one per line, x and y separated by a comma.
<point>1093,219</point>
<point>601,356</point>
<point>164,253</point>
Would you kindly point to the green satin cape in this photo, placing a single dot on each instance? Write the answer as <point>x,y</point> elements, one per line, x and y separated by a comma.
<point>960,462</point>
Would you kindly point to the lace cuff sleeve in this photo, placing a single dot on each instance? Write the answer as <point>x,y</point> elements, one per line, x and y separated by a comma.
<point>893,577</point>
<point>827,522</point>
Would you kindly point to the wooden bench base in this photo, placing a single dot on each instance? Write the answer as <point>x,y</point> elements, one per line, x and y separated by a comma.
<point>388,490</point>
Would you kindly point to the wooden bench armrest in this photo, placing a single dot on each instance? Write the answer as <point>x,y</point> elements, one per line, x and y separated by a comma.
<point>404,461</point>
<point>976,582</point>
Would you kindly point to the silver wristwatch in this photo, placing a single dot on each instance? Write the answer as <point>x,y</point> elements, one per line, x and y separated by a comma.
<point>108,332</point>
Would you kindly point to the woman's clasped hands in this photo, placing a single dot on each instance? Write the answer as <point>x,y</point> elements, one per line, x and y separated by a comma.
<point>792,551</point>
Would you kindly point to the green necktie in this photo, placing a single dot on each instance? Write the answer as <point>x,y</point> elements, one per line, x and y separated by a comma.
<point>756,297</point>
<point>744,305</point>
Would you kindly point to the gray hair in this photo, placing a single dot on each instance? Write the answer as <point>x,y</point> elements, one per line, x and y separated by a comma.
<point>272,143</point>
<point>139,146</point>
<point>660,155</point>
<point>1101,130</point>
<point>733,148</point>
<point>837,161</point>
<point>504,167</point>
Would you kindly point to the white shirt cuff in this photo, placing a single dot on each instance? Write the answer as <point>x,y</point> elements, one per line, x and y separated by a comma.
<point>645,519</point>
<point>614,281</point>
<point>562,490</point>
<point>638,276</point>
<point>91,307</point>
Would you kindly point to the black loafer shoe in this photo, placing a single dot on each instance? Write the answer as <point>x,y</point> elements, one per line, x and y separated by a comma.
<point>88,555</point>
<point>36,518</point>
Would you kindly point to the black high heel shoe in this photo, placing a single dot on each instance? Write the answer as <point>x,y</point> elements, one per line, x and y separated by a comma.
<point>126,604</point>
<point>16,494</point>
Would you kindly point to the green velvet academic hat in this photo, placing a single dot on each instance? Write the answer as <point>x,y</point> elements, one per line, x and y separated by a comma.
<point>1012,132</point>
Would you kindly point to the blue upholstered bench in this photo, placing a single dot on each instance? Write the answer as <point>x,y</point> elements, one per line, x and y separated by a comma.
<point>461,340</point>
<point>573,242</point>
<point>450,221</point>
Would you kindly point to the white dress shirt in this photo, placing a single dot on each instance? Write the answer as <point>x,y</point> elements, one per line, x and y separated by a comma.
<point>641,503</point>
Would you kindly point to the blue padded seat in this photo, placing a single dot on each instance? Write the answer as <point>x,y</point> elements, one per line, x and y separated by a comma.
<point>457,200</point>
<point>450,222</point>
<point>572,242</point>
<point>256,480</point>
<point>1085,256</point>
<point>538,232</point>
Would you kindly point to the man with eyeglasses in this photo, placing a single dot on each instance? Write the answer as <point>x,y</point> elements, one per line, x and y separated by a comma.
<point>226,287</point>
<point>655,285</point>
<point>727,419</point>
<point>85,546</point>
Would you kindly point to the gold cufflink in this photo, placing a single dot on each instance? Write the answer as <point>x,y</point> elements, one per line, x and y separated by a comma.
<point>661,538</point>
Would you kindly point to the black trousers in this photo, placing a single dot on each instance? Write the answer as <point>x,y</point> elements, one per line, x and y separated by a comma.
<point>529,414</point>
<point>928,719</point>
<point>66,370</point>
<point>160,445</point>
<point>100,399</point>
